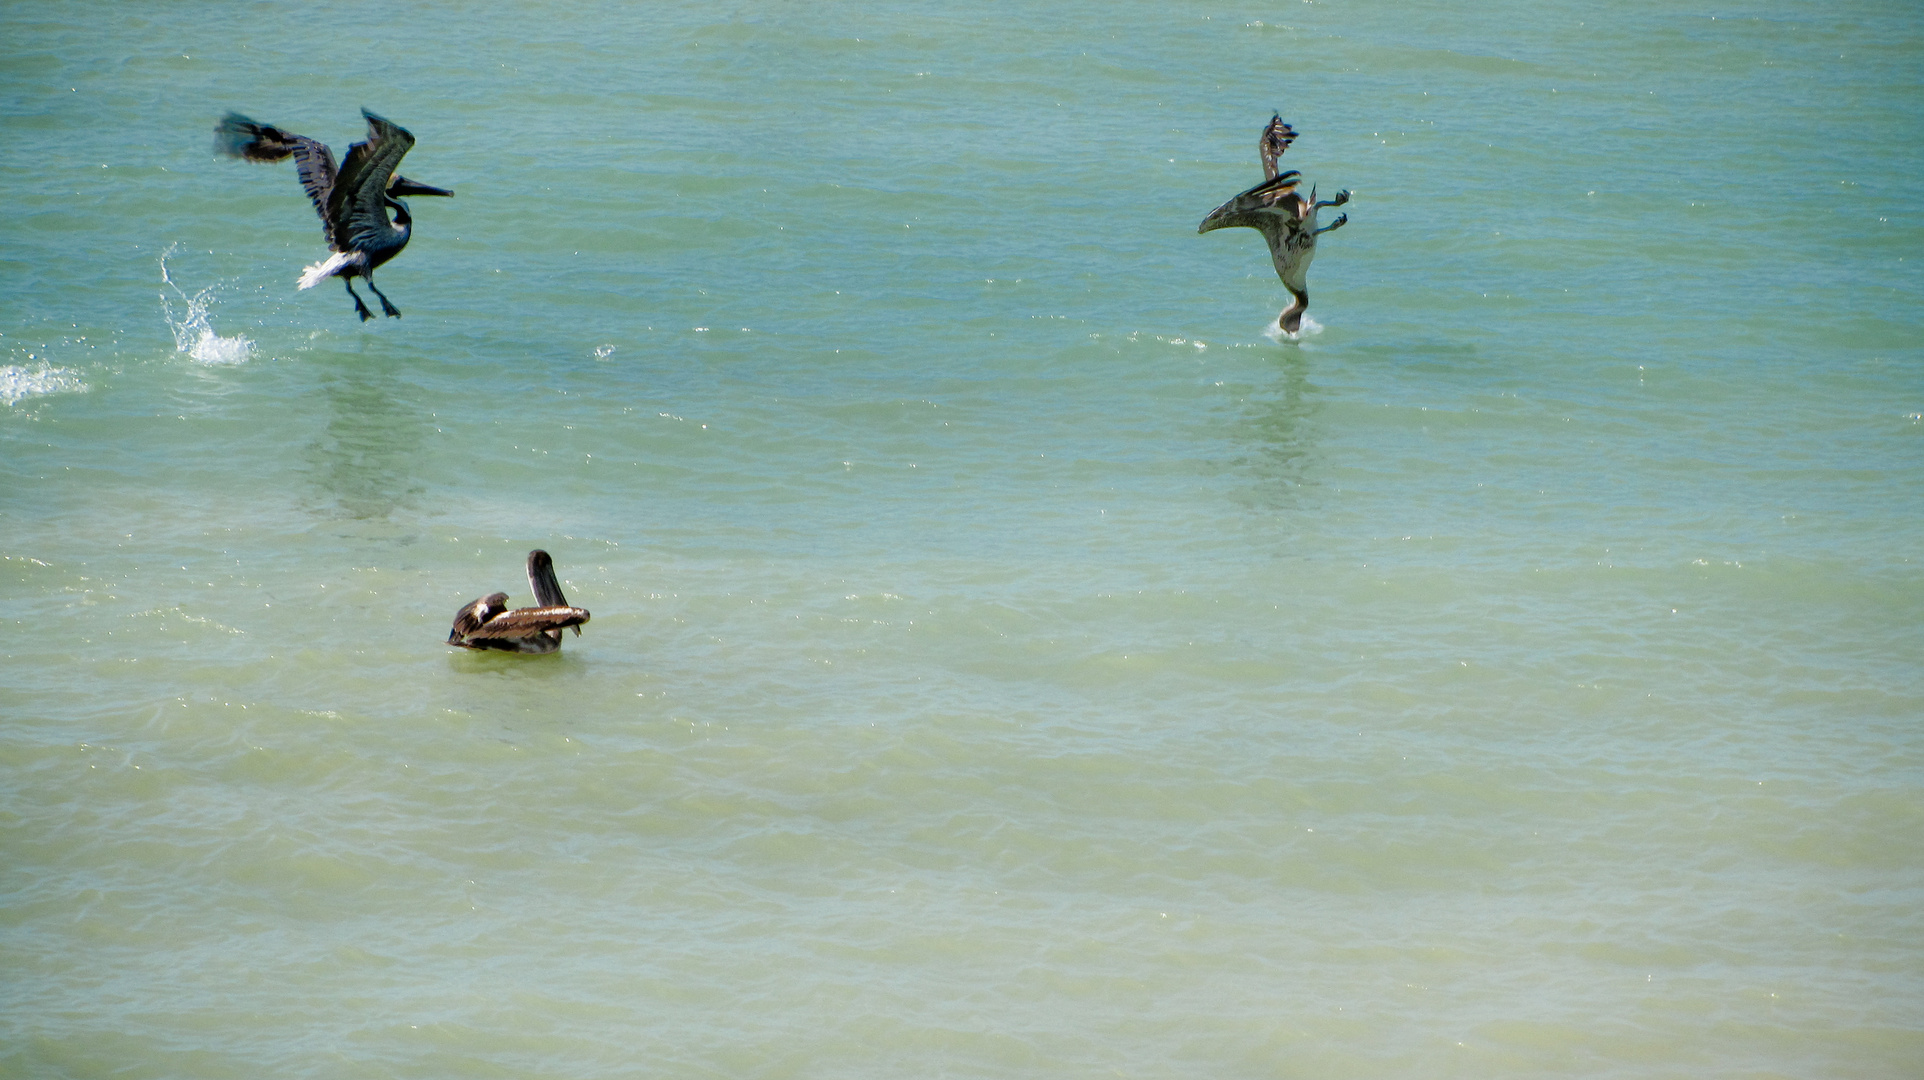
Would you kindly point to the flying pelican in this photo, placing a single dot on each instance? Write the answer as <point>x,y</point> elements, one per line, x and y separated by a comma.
<point>353,202</point>
<point>1284,217</point>
<point>488,624</point>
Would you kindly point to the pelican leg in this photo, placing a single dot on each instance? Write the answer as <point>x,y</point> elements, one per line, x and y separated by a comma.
<point>1341,198</point>
<point>387,309</point>
<point>358,305</point>
<point>1341,220</point>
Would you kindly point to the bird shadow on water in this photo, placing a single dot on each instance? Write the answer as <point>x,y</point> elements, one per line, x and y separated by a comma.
<point>364,459</point>
<point>1276,437</point>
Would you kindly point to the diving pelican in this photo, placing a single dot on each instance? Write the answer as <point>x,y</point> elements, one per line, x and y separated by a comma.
<point>488,624</point>
<point>1284,217</point>
<point>353,202</point>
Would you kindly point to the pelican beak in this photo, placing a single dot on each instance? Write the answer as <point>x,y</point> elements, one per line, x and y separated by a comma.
<point>401,185</point>
<point>542,580</point>
<point>1215,219</point>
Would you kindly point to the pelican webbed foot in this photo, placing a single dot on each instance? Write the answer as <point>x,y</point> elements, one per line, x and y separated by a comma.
<point>359,306</point>
<point>387,309</point>
<point>1341,220</point>
<point>1341,198</point>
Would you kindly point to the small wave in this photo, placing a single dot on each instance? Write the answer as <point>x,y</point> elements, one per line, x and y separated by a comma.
<point>1275,332</point>
<point>193,333</point>
<point>17,382</point>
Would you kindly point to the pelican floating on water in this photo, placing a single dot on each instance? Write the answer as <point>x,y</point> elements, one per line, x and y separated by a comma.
<point>488,624</point>
<point>353,201</point>
<point>1286,219</point>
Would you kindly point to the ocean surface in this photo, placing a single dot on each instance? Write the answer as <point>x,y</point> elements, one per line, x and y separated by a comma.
<point>1010,657</point>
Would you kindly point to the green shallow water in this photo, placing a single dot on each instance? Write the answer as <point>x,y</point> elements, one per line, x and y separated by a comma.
<point>1006,659</point>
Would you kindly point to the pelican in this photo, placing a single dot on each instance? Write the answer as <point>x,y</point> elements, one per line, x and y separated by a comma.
<point>1284,217</point>
<point>353,201</point>
<point>488,624</point>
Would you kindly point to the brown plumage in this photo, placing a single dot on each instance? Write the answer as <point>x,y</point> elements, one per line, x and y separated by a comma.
<point>1286,219</point>
<point>488,624</point>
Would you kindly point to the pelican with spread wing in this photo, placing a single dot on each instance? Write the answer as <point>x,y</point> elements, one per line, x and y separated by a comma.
<point>488,624</point>
<point>1285,218</point>
<point>353,200</point>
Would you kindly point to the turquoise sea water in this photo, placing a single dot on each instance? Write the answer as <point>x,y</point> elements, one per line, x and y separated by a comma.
<point>1006,659</point>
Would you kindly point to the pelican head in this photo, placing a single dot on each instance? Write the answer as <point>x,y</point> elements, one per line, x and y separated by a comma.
<point>1219,218</point>
<point>470,618</point>
<point>1291,320</point>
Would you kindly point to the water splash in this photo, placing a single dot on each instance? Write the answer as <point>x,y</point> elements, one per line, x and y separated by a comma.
<point>18,382</point>
<point>193,333</point>
<point>603,352</point>
<point>1275,332</point>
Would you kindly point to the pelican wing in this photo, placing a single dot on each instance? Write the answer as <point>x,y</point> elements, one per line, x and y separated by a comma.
<point>1265,206</point>
<point>528,621</point>
<point>357,205</point>
<point>1276,138</point>
<point>238,136</point>
<point>242,137</point>
<point>315,163</point>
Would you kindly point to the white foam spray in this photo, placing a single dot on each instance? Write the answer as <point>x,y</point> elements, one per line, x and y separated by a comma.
<point>18,381</point>
<point>193,333</point>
